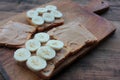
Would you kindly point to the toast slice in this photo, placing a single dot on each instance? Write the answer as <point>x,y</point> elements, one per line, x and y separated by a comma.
<point>75,38</point>
<point>73,35</point>
<point>47,26</point>
<point>15,34</point>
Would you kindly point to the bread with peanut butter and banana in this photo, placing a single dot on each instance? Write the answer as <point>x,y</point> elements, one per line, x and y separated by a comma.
<point>45,18</point>
<point>57,48</point>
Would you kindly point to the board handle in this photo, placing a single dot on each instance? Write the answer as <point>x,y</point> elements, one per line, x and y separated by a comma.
<point>97,6</point>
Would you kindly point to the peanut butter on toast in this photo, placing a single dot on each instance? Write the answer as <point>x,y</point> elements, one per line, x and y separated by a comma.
<point>15,34</point>
<point>75,38</point>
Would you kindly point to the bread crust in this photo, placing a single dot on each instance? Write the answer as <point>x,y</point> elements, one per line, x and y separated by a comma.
<point>46,26</point>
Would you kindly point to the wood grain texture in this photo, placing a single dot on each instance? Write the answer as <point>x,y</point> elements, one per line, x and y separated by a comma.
<point>99,64</point>
<point>97,6</point>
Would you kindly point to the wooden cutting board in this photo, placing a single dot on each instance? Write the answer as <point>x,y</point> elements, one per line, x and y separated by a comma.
<point>73,12</point>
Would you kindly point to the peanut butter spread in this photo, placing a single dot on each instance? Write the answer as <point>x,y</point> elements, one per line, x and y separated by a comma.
<point>73,35</point>
<point>15,34</point>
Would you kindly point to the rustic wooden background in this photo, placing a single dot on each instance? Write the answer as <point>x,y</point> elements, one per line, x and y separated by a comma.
<point>102,63</point>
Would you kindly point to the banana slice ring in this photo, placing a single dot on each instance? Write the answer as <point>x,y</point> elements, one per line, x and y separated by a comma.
<point>21,54</point>
<point>46,52</point>
<point>48,17</point>
<point>56,13</point>
<point>36,63</point>
<point>31,13</point>
<point>55,44</point>
<point>37,20</point>
<point>51,7</point>
<point>42,37</point>
<point>41,10</point>
<point>32,45</point>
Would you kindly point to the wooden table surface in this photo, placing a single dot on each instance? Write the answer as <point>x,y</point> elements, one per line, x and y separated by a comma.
<point>102,63</point>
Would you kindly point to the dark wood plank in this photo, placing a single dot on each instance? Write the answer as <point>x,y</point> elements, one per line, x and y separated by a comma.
<point>114,12</point>
<point>100,64</point>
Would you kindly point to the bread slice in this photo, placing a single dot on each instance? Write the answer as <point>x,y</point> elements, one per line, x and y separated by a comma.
<point>15,34</point>
<point>75,38</point>
<point>47,26</point>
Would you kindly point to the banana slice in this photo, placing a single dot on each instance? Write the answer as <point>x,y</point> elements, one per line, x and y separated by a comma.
<point>37,20</point>
<point>32,45</point>
<point>41,10</point>
<point>46,52</point>
<point>21,54</point>
<point>36,63</point>
<point>48,17</point>
<point>31,13</point>
<point>51,7</point>
<point>42,37</point>
<point>55,44</point>
<point>56,13</point>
